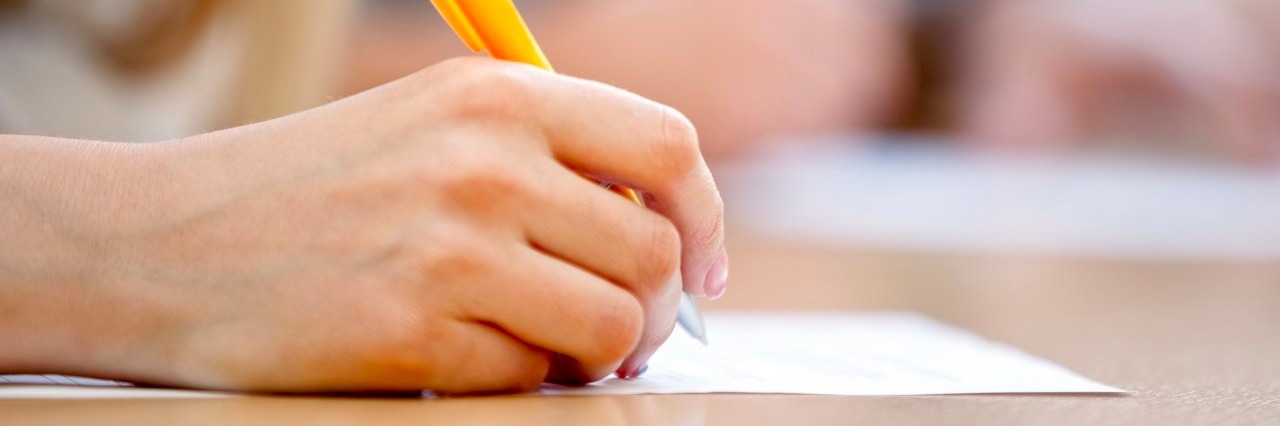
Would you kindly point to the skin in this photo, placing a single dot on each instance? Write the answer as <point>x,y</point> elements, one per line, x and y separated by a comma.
<point>433,233</point>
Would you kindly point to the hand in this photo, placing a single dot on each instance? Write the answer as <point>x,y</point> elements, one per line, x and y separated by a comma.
<point>434,233</point>
<point>1048,74</point>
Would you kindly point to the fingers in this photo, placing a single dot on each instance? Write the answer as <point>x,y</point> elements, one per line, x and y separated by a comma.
<point>619,137</point>
<point>615,136</point>
<point>589,226</point>
<point>558,307</point>
<point>618,239</point>
<point>660,317</point>
<point>488,360</point>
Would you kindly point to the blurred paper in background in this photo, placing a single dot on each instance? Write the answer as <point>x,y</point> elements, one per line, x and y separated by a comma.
<point>926,195</point>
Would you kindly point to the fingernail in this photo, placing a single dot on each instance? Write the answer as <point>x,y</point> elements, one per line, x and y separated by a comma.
<point>634,373</point>
<point>717,277</point>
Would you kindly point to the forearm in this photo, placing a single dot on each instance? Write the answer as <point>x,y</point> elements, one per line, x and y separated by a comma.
<point>58,312</point>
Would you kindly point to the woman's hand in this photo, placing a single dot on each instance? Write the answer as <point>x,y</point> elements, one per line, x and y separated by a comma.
<point>435,233</point>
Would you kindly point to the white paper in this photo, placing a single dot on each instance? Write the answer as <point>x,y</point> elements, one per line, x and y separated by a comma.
<point>53,386</point>
<point>824,354</point>
<point>841,354</point>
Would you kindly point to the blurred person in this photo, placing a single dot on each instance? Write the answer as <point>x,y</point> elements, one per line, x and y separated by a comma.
<point>1195,77</point>
<point>434,232</point>
<point>747,72</point>
<point>149,70</point>
<point>1190,76</point>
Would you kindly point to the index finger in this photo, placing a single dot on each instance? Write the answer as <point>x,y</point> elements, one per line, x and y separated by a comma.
<point>616,136</point>
<point>612,135</point>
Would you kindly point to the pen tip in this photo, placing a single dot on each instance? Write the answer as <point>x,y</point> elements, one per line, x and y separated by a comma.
<point>690,319</point>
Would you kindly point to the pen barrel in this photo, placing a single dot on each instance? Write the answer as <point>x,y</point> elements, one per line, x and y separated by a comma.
<point>503,32</point>
<point>625,192</point>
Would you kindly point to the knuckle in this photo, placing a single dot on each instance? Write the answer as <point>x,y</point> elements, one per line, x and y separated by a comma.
<point>485,186</point>
<point>710,231</point>
<point>488,90</point>
<point>676,147</point>
<point>661,256</point>
<point>460,65</point>
<point>449,257</point>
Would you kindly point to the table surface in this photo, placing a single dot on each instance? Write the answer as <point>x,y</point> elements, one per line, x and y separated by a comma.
<point>1197,343</point>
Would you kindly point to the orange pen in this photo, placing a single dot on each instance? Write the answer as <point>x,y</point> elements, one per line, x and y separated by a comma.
<point>496,26</point>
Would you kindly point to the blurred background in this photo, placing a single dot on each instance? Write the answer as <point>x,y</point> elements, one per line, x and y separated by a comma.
<point>1143,130</point>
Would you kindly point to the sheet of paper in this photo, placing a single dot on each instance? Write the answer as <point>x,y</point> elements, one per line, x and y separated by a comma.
<point>841,354</point>
<point>826,354</point>
<point>52,386</point>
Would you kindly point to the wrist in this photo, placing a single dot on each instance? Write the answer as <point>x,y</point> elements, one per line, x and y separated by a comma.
<point>68,209</point>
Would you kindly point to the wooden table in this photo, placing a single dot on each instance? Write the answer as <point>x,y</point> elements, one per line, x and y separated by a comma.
<point>1197,343</point>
